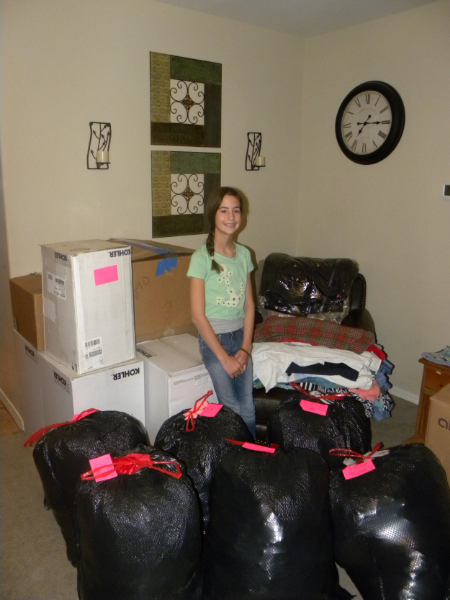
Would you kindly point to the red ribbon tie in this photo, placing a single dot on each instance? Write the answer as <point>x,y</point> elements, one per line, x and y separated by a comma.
<point>360,458</point>
<point>196,410</point>
<point>40,432</point>
<point>131,464</point>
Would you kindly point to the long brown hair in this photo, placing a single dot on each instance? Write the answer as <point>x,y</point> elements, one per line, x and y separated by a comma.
<point>212,206</point>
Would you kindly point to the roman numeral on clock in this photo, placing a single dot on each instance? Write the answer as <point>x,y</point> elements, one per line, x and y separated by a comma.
<point>382,134</point>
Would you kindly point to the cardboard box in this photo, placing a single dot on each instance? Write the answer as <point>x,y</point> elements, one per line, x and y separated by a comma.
<point>185,343</point>
<point>31,405</point>
<point>28,313</point>
<point>173,382</point>
<point>88,304</point>
<point>437,436</point>
<point>161,289</point>
<point>65,393</point>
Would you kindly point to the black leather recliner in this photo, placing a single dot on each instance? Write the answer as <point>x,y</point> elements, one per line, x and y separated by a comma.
<point>358,316</point>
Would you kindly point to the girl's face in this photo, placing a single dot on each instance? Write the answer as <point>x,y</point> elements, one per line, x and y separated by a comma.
<point>228,216</point>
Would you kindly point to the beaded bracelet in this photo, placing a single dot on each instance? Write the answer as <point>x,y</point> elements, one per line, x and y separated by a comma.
<point>247,353</point>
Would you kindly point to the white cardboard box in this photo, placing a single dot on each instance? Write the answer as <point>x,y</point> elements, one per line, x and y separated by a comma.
<point>185,343</point>
<point>31,408</point>
<point>88,304</point>
<point>173,382</point>
<point>65,393</point>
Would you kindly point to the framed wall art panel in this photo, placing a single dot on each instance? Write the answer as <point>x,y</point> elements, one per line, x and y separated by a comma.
<point>181,182</point>
<point>185,101</point>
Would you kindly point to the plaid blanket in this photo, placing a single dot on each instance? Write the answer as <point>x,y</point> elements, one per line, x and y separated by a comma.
<point>315,332</point>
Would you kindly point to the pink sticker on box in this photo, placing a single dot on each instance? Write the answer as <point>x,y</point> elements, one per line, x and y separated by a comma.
<point>106,275</point>
<point>105,467</point>
<point>314,407</point>
<point>358,469</point>
<point>211,410</point>
<point>250,446</point>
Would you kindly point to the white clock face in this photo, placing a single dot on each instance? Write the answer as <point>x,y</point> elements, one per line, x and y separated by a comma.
<point>366,122</point>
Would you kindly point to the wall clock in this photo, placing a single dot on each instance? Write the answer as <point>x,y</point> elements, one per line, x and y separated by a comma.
<point>370,122</point>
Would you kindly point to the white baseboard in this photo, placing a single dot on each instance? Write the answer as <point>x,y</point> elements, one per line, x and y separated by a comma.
<point>11,409</point>
<point>404,395</point>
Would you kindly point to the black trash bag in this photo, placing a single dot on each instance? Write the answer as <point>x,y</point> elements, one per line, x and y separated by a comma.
<point>392,526</point>
<point>345,425</point>
<point>269,535</point>
<point>200,448</point>
<point>301,286</point>
<point>140,535</point>
<point>63,453</point>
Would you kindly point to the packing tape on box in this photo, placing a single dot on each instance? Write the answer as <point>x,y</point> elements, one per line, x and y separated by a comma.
<point>166,264</point>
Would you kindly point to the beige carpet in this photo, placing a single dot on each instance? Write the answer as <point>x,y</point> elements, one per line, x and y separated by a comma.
<point>33,563</point>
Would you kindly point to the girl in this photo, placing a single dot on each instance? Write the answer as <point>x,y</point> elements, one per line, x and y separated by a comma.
<point>222,305</point>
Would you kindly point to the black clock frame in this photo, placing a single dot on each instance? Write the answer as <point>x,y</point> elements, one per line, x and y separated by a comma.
<point>394,135</point>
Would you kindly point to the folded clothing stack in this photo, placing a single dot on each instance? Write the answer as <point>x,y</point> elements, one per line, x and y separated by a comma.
<point>325,370</point>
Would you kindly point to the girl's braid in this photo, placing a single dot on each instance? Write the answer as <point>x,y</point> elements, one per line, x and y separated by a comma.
<point>210,248</point>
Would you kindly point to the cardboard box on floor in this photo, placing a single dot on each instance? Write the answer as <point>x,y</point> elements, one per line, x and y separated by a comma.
<point>174,381</point>
<point>28,313</point>
<point>161,289</point>
<point>437,437</point>
<point>66,393</point>
<point>30,404</point>
<point>88,304</point>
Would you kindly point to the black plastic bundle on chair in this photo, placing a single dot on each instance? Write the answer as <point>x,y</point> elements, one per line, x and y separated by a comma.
<point>140,534</point>
<point>269,535</point>
<point>392,526</point>
<point>345,425</point>
<point>301,286</point>
<point>199,449</point>
<point>63,453</point>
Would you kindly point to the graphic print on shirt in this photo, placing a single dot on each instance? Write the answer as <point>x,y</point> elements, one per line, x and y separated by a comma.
<point>230,297</point>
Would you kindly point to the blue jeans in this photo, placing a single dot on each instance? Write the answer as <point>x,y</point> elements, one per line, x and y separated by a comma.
<point>234,392</point>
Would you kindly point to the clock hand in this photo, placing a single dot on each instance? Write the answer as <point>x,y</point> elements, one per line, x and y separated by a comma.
<point>363,124</point>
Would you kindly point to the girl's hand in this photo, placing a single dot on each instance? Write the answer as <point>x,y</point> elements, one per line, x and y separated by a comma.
<point>232,366</point>
<point>242,358</point>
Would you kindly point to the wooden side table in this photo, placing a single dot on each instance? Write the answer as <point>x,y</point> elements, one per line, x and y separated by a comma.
<point>434,378</point>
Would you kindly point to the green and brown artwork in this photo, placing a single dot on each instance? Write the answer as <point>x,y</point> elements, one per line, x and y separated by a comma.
<point>181,182</point>
<point>185,101</point>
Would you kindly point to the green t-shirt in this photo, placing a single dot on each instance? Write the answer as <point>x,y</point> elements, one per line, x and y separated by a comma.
<point>224,291</point>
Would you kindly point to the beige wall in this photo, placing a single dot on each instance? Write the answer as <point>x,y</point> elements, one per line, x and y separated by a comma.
<point>8,377</point>
<point>390,216</point>
<point>68,62</point>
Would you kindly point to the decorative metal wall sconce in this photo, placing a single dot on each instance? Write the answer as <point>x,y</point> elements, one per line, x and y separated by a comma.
<point>99,141</point>
<point>253,159</point>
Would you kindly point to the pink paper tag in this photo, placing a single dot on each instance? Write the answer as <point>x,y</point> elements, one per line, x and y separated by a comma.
<point>358,469</point>
<point>211,410</point>
<point>103,461</point>
<point>250,446</point>
<point>106,275</point>
<point>314,407</point>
